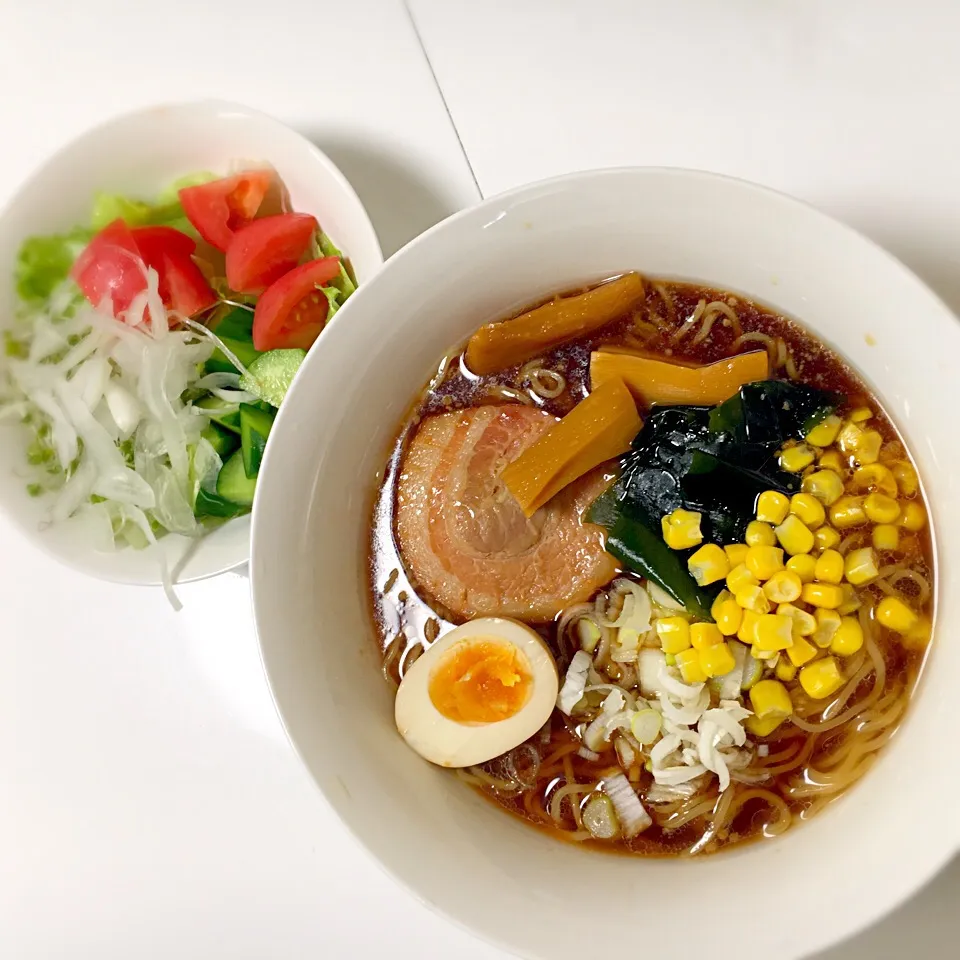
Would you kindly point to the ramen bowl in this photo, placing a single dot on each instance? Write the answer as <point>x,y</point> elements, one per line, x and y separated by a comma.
<point>139,155</point>
<point>514,885</point>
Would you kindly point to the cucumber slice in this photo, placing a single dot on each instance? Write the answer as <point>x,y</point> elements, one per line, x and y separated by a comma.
<point>210,504</point>
<point>222,440</point>
<point>255,427</point>
<point>243,349</point>
<point>229,420</point>
<point>272,373</point>
<point>233,484</point>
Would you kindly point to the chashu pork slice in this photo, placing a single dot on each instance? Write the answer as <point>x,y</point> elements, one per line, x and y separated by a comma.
<point>464,539</point>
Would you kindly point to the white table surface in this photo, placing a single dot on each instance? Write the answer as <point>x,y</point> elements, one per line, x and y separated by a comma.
<point>150,806</point>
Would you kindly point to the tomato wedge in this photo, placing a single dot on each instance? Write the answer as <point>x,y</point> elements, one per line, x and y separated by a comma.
<point>219,208</point>
<point>291,312</point>
<point>182,285</point>
<point>154,241</point>
<point>265,249</point>
<point>113,264</point>
<point>110,265</point>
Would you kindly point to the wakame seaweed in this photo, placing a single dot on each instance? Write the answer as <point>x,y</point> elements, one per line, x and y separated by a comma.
<point>712,460</point>
<point>637,543</point>
<point>771,412</point>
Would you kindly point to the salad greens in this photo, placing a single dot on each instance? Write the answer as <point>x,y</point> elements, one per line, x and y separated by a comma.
<point>341,286</point>
<point>44,262</point>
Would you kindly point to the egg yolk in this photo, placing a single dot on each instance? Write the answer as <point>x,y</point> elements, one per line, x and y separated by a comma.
<point>481,680</point>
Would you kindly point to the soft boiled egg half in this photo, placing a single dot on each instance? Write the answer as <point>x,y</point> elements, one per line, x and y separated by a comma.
<point>479,691</point>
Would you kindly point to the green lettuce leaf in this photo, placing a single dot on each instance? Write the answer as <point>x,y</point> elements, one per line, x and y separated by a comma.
<point>344,282</point>
<point>43,263</point>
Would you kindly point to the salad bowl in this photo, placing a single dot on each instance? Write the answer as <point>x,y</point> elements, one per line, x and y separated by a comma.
<point>139,155</point>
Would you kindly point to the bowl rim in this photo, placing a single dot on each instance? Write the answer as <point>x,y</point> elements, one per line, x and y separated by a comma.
<point>866,915</point>
<point>215,107</point>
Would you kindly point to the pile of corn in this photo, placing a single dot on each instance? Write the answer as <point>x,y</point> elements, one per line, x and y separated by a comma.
<point>790,595</point>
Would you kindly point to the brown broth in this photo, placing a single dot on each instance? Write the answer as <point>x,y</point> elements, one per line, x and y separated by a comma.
<point>405,623</point>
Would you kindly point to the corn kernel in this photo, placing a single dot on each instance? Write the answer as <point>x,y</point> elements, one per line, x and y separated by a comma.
<point>708,564</point>
<point>829,568</point>
<point>772,506</point>
<point>764,561</point>
<point>808,508</point>
<point>794,536</point>
<point>918,636</point>
<point>786,671</point>
<point>860,414</point>
<point>906,477</point>
<point>831,460</point>
<point>851,600</point>
<point>774,632</point>
<point>769,698</point>
<point>674,634</point>
<point>880,508</point>
<point>716,660</point>
<point>895,615</point>
<point>876,477</point>
<point>804,623</point>
<point>860,566</point>
<point>828,623</point>
<point>762,728</point>
<point>868,448</point>
<point>748,627</point>
<point>825,595</point>
<point>727,613</point>
<point>681,529</point>
<point>825,485</point>
<point>753,598</point>
<point>848,639</point>
<point>847,512</point>
<point>688,663</point>
<point>670,659</point>
<point>803,565</point>
<point>795,458</point>
<point>825,432</point>
<point>783,587</point>
<point>825,538</point>
<point>740,577</point>
<point>821,678</point>
<point>705,635</point>
<point>848,438</point>
<point>885,536</point>
<point>908,544</point>
<point>736,553</point>
<point>760,534</point>
<point>914,517</point>
<point>802,651</point>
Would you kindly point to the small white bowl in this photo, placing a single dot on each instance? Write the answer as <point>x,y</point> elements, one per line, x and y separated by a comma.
<point>139,154</point>
<point>504,879</point>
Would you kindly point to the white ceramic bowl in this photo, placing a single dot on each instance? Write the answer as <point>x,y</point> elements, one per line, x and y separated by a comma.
<point>139,154</point>
<point>501,878</point>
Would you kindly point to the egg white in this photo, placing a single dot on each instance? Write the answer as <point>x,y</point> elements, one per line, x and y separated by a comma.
<point>449,743</point>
